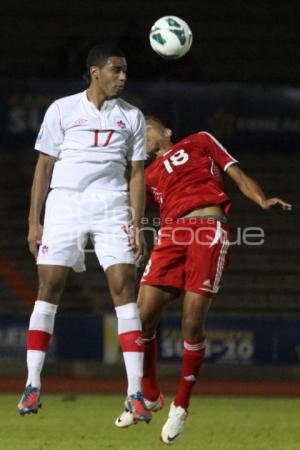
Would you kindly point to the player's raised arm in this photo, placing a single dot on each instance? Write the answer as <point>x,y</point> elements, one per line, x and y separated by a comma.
<point>39,190</point>
<point>253,191</point>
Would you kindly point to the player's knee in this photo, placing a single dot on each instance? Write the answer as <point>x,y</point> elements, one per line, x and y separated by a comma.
<point>148,330</point>
<point>148,322</point>
<point>50,290</point>
<point>122,294</point>
<point>122,290</point>
<point>121,284</point>
<point>192,327</point>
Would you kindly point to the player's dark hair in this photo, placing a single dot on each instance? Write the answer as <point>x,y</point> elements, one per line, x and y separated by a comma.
<point>98,56</point>
<point>155,119</point>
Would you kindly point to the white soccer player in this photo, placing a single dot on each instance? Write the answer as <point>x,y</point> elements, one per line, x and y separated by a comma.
<point>91,153</point>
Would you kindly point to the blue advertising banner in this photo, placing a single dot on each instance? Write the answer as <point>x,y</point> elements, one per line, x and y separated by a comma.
<point>242,117</point>
<point>75,338</point>
<point>237,341</point>
<point>93,338</point>
<point>79,337</point>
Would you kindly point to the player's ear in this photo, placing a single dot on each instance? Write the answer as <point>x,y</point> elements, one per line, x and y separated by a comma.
<point>168,132</point>
<point>94,70</point>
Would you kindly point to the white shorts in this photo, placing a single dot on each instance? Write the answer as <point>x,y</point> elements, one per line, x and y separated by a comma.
<point>71,217</point>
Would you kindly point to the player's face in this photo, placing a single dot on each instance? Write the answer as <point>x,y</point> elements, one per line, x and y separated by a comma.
<point>156,137</point>
<point>110,79</point>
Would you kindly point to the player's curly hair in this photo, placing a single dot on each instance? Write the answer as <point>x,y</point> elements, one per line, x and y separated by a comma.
<point>98,56</point>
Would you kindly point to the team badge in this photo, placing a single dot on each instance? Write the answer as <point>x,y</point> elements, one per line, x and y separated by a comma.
<point>121,124</point>
<point>80,121</point>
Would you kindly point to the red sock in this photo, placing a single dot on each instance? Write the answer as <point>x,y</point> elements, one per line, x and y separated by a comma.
<point>38,340</point>
<point>192,359</point>
<point>150,382</point>
<point>131,341</point>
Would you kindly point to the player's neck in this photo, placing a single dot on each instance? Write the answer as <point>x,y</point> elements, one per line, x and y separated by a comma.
<point>164,148</point>
<point>96,97</point>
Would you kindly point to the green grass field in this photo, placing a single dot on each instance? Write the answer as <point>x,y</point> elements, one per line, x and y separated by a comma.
<point>214,423</point>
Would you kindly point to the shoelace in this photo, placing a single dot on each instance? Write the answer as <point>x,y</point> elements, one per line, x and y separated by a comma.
<point>28,391</point>
<point>138,396</point>
<point>180,414</point>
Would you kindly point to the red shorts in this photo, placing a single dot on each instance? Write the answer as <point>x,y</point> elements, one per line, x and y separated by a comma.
<point>190,254</point>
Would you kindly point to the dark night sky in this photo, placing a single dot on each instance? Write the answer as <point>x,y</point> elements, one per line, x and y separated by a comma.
<point>233,40</point>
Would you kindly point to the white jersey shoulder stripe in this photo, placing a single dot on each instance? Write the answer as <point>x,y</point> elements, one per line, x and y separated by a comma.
<point>59,113</point>
<point>218,144</point>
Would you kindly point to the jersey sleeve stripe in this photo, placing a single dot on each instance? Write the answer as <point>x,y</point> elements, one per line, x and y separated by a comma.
<point>219,145</point>
<point>229,164</point>
<point>60,118</point>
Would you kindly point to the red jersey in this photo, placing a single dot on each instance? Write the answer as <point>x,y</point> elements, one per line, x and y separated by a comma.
<point>189,176</point>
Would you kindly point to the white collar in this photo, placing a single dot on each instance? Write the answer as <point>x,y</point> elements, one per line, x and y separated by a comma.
<point>107,105</point>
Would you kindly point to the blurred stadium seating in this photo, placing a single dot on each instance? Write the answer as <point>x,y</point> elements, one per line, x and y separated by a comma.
<point>260,280</point>
<point>252,46</point>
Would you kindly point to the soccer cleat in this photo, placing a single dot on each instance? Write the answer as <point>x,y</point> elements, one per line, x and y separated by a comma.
<point>30,401</point>
<point>174,426</point>
<point>126,419</point>
<point>138,409</point>
<point>157,405</point>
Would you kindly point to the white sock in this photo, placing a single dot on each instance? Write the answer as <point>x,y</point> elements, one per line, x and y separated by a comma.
<point>129,330</point>
<point>35,362</point>
<point>42,319</point>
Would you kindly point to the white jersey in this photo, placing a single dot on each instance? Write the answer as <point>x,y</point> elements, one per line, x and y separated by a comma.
<point>92,146</point>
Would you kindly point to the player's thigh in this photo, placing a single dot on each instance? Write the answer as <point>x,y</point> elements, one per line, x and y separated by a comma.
<point>151,302</point>
<point>206,259</point>
<point>116,256</point>
<point>121,281</point>
<point>110,230</point>
<point>112,247</point>
<point>63,238</point>
<point>165,266</point>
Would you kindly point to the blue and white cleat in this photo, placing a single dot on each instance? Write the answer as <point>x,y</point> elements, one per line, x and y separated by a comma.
<point>137,407</point>
<point>126,419</point>
<point>30,401</point>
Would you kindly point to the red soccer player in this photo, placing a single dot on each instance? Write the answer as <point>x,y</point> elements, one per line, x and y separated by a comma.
<point>185,180</point>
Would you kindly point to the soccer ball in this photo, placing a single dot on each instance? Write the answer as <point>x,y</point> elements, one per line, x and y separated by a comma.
<point>171,37</point>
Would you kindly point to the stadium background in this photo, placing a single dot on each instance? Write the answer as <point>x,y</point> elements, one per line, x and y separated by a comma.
<point>240,81</point>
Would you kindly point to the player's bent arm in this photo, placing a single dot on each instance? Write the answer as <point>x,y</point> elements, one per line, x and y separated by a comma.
<point>251,189</point>
<point>137,190</point>
<point>39,190</point>
<point>40,185</point>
